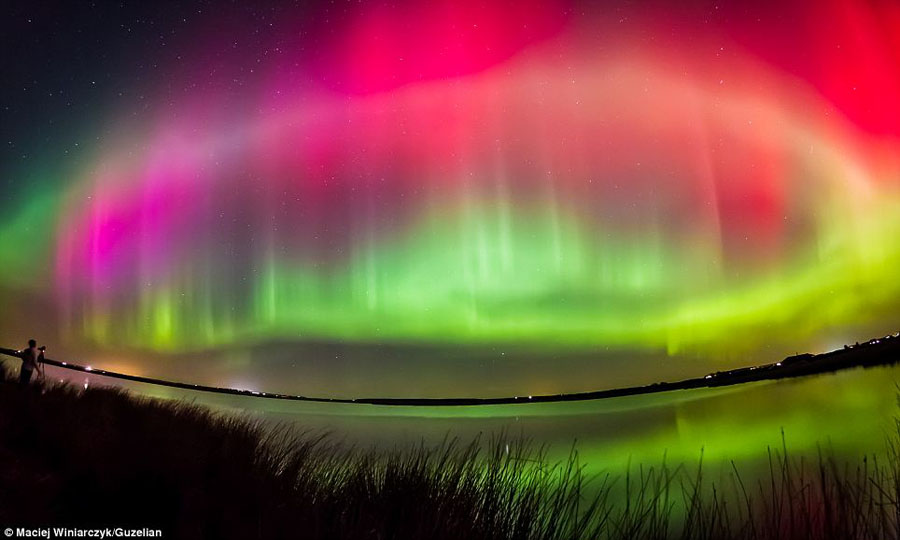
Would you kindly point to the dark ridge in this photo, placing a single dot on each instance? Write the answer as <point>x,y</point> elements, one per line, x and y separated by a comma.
<point>875,352</point>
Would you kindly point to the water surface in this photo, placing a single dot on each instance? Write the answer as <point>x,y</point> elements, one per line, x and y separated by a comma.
<point>849,412</point>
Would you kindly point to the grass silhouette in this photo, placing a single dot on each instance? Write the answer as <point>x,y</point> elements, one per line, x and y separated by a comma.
<point>102,457</point>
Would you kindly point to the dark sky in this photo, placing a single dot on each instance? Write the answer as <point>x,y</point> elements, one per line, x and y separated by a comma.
<point>65,64</point>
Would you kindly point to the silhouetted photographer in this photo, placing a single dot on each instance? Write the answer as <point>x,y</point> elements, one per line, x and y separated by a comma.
<point>32,360</point>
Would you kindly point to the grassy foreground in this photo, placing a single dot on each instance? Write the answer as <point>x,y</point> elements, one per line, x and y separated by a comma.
<point>103,457</point>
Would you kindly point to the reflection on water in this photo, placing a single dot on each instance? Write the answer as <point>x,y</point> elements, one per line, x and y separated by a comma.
<point>850,412</point>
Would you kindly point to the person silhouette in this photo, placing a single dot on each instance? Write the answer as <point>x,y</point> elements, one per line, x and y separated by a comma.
<point>31,360</point>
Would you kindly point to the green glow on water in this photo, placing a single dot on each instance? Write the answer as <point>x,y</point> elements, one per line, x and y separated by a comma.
<point>850,413</point>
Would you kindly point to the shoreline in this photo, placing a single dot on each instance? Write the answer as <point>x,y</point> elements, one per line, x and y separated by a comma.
<point>875,352</point>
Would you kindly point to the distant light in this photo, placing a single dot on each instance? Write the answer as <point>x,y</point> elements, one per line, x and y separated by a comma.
<point>89,368</point>
<point>529,397</point>
<point>65,364</point>
<point>708,377</point>
<point>778,363</point>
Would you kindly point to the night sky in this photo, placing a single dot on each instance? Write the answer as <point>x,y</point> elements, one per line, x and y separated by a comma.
<point>697,180</point>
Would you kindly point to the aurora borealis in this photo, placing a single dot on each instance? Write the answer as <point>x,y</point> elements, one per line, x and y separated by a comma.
<point>704,180</point>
